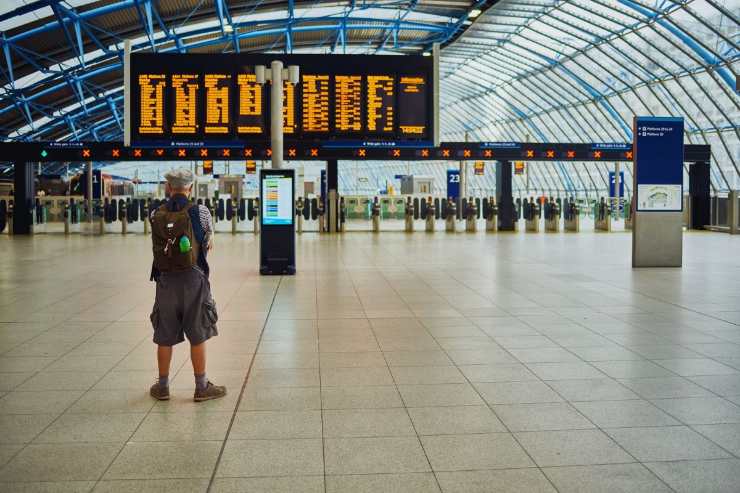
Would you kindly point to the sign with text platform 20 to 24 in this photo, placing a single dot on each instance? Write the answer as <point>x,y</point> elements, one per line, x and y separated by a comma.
<point>658,158</point>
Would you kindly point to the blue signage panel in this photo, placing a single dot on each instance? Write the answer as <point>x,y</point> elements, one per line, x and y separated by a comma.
<point>658,158</point>
<point>97,184</point>
<point>621,184</point>
<point>453,183</point>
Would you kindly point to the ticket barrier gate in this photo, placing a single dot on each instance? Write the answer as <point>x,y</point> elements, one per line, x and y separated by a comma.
<point>531,215</point>
<point>375,213</point>
<point>450,215</point>
<point>320,213</point>
<point>602,216</point>
<point>6,215</point>
<point>471,216</point>
<point>628,215</point>
<point>429,214</point>
<point>299,215</point>
<point>490,213</point>
<point>571,216</point>
<point>256,213</point>
<point>518,213</point>
<point>552,216</point>
<point>342,214</point>
<point>409,215</point>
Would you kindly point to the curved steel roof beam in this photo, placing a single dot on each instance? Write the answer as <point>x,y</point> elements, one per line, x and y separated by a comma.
<point>709,56</point>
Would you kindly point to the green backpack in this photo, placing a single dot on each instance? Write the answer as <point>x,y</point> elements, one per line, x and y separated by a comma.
<point>173,242</point>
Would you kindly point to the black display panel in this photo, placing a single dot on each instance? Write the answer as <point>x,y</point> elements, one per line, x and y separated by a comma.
<point>277,236</point>
<point>215,98</point>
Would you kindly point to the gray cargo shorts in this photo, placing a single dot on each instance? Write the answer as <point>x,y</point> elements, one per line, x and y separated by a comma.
<point>183,307</point>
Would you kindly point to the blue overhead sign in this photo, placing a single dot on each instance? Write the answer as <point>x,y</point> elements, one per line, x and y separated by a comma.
<point>611,145</point>
<point>453,183</point>
<point>658,158</point>
<point>501,145</point>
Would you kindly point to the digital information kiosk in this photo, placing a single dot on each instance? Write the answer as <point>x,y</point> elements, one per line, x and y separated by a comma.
<point>277,237</point>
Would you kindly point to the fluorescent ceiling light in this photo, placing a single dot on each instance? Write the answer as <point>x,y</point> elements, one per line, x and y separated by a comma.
<point>228,28</point>
<point>473,13</point>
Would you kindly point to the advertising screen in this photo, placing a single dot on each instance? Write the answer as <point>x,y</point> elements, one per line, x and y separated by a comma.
<point>216,98</point>
<point>277,200</point>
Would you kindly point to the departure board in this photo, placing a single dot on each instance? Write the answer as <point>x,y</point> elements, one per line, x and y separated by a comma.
<point>348,103</point>
<point>151,103</point>
<point>185,103</point>
<point>250,118</point>
<point>216,98</point>
<point>315,103</point>
<point>218,92</point>
<point>411,115</point>
<point>380,102</point>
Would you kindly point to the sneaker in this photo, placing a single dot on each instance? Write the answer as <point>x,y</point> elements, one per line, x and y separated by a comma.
<point>160,392</point>
<point>210,392</point>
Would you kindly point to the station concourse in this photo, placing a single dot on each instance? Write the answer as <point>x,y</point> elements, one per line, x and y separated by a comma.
<point>446,246</point>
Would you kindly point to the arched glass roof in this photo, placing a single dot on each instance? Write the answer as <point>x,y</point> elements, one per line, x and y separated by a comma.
<point>537,70</point>
<point>579,70</point>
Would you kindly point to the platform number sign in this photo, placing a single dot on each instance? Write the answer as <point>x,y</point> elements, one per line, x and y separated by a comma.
<point>97,182</point>
<point>453,183</point>
<point>611,184</point>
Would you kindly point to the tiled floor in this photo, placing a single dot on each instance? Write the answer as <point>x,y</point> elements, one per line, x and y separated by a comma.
<point>390,363</point>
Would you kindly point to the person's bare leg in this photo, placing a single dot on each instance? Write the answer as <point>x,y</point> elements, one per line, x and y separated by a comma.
<point>161,389</point>
<point>164,357</point>
<point>204,390</point>
<point>198,358</point>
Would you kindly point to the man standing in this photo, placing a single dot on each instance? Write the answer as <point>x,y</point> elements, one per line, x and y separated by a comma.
<point>181,238</point>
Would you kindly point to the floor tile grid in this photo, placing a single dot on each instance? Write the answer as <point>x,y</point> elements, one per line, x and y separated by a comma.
<point>692,427</point>
<point>321,386</point>
<point>654,314</point>
<point>543,470</point>
<point>405,407</point>
<point>513,434</point>
<point>247,374</point>
<point>434,472</point>
<point>62,413</point>
<point>652,360</point>
<point>62,356</point>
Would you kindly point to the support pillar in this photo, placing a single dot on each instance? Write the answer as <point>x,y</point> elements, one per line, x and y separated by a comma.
<point>332,189</point>
<point>504,197</point>
<point>699,195</point>
<point>733,212</point>
<point>23,199</point>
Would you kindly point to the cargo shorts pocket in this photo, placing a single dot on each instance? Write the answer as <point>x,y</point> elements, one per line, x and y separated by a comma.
<point>210,314</point>
<point>154,318</point>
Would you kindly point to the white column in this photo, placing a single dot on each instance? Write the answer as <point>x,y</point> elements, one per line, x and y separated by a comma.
<point>276,114</point>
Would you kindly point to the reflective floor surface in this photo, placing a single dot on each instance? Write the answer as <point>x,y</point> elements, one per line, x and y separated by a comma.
<point>390,363</point>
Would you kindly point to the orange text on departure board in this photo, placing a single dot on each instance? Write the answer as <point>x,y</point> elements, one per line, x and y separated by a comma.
<point>348,103</point>
<point>250,105</point>
<point>315,98</point>
<point>151,103</point>
<point>412,84</point>
<point>218,87</point>
<point>289,125</point>
<point>412,94</point>
<point>379,103</point>
<point>185,120</point>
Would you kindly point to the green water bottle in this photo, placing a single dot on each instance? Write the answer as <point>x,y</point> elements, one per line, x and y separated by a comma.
<point>184,244</point>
